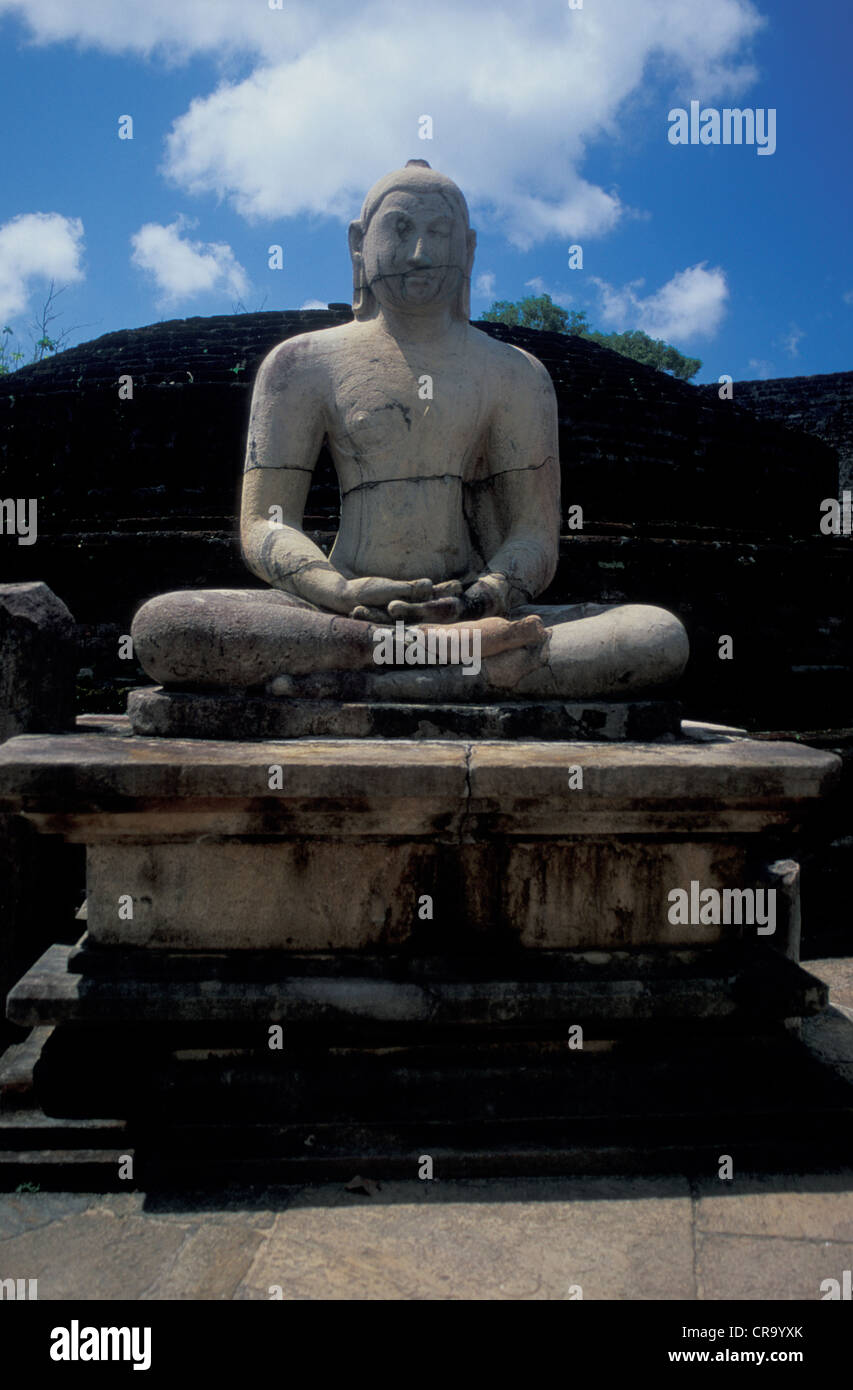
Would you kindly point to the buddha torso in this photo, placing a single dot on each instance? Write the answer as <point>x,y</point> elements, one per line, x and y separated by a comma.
<point>407,428</point>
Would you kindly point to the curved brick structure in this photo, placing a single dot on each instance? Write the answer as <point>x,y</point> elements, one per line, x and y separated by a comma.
<point>820,405</point>
<point>636,445</point>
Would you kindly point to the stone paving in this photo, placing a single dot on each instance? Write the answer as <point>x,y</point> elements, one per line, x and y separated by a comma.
<point>631,1238</point>
<point>770,1237</point>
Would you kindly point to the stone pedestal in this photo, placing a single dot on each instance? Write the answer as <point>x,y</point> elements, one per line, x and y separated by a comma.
<point>467,902</point>
<point>331,845</point>
<point>248,717</point>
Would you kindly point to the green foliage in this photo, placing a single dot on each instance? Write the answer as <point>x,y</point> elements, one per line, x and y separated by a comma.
<point>44,342</point>
<point>10,357</point>
<point>653,352</point>
<point>539,311</point>
<point>536,311</point>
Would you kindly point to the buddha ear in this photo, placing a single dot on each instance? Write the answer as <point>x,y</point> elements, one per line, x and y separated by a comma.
<point>363,305</point>
<point>356,238</point>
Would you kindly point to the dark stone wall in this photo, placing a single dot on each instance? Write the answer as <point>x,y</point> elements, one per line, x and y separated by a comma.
<point>819,405</point>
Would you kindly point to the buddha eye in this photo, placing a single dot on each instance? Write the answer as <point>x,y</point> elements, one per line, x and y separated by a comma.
<point>403,226</point>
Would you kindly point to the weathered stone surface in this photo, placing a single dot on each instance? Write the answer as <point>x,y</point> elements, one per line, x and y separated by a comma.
<point>317,895</point>
<point>536,1240</point>
<point>37,879</point>
<point>619,1239</point>
<point>758,1208</point>
<point>339,843</point>
<point>241,715</point>
<point>82,775</point>
<point>37,667</point>
<point>768,1270</point>
<point>600,990</point>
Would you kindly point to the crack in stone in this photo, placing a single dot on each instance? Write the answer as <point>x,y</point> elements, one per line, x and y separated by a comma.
<point>523,468</point>
<point>466,810</point>
<point>282,467</point>
<point>397,405</point>
<point>694,1197</point>
<point>380,482</point>
<point>276,567</point>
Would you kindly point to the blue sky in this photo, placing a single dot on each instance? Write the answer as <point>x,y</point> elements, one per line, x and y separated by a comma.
<point>254,126</point>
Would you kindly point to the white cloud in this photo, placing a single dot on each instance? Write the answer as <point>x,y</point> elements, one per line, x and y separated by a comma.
<point>690,305</point>
<point>484,285</point>
<point>314,304</point>
<point>848,297</point>
<point>37,246</point>
<point>182,268</point>
<point>174,31</point>
<point>763,370</point>
<point>516,93</point>
<point>790,341</point>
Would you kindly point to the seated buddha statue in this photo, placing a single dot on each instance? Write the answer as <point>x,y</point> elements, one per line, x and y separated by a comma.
<point>445,445</point>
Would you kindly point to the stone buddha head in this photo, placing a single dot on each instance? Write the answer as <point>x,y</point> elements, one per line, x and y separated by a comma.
<point>412,248</point>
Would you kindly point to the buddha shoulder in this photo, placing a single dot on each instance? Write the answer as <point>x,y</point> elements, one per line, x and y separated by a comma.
<point>305,358</point>
<point>513,369</point>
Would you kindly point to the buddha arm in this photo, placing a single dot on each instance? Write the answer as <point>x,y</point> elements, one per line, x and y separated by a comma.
<point>523,454</point>
<point>286,428</point>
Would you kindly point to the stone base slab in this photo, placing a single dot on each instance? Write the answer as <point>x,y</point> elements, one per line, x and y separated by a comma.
<point>240,715</point>
<point>335,995</point>
<point>437,846</point>
<point>326,895</point>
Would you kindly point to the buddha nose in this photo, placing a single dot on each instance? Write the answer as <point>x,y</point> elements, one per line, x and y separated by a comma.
<point>419,256</point>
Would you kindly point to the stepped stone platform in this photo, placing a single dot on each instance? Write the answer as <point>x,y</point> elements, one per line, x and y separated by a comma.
<point>196,1107</point>
<point>426,922</point>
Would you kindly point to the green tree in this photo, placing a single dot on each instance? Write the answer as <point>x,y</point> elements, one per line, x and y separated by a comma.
<point>539,311</point>
<point>536,311</point>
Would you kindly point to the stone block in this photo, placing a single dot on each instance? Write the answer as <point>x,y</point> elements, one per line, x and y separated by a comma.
<point>335,997</point>
<point>36,694</point>
<point>238,715</point>
<point>37,667</point>
<point>323,894</point>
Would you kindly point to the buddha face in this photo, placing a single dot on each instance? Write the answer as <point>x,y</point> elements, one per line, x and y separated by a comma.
<point>415,251</point>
